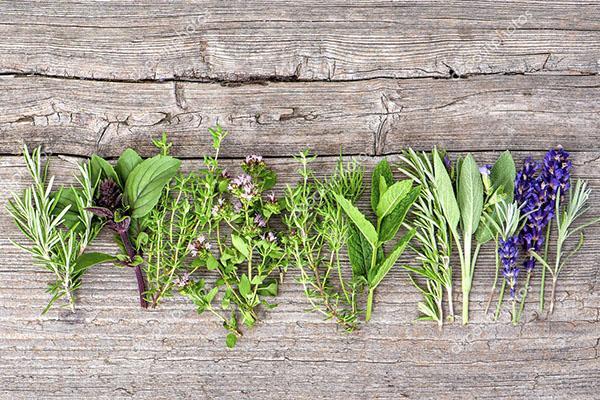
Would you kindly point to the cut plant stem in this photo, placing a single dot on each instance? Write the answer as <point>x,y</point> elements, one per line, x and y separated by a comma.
<point>496,275</point>
<point>543,282</point>
<point>500,299</point>
<point>369,304</point>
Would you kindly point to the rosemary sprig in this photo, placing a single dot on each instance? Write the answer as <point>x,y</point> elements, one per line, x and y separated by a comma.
<point>433,237</point>
<point>58,226</point>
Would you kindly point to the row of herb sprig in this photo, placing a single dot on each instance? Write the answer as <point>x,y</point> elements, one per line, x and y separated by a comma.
<point>209,236</point>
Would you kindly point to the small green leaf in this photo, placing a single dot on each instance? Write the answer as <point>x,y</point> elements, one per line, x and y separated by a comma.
<point>126,163</point>
<point>383,186</point>
<point>240,245</point>
<point>392,196</point>
<point>269,288</point>
<point>67,197</point>
<point>445,192</point>
<point>470,195</point>
<point>231,340</point>
<point>87,260</point>
<point>392,223</point>
<point>211,263</point>
<point>503,175</point>
<point>145,183</point>
<point>245,287</point>
<point>101,169</point>
<point>387,264</point>
<point>382,170</point>
<point>365,227</point>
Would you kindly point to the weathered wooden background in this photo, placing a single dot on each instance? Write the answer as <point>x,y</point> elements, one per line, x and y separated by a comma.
<point>371,76</point>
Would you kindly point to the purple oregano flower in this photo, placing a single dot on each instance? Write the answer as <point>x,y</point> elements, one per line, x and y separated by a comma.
<point>535,191</point>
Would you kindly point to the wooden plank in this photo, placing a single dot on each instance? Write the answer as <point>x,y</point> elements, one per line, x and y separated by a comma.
<point>337,40</point>
<point>276,119</point>
<point>111,348</point>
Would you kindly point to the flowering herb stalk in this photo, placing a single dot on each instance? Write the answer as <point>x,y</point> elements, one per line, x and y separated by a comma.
<point>565,220</point>
<point>58,226</point>
<point>433,236</point>
<point>317,231</point>
<point>234,215</point>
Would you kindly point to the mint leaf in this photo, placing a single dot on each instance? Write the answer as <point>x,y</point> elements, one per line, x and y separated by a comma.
<point>365,227</point>
<point>145,183</point>
<point>390,224</point>
<point>382,170</point>
<point>375,277</point>
<point>359,252</point>
<point>392,196</point>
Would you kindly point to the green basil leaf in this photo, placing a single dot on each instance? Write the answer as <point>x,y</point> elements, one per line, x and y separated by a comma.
<point>445,192</point>
<point>145,183</point>
<point>67,197</point>
<point>128,160</point>
<point>382,270</point>
<point>365,227</point>
<point>101,169</point>
<point>503,175</point>
<point>87,260</point>
<point>392,223</point>
<point>392,196</point>
<point>470,195</point>
<point>382,170</point>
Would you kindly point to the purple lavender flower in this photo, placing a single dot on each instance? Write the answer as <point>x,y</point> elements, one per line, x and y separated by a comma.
<point>447,162</point>
<point>485,170</point>
<point>556,175</point>
<point>509,253</point>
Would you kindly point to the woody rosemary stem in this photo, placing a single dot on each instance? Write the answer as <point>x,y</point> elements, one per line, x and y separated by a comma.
<point>131,253</point>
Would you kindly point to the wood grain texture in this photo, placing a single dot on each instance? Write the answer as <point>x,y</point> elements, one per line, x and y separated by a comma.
<point>111,348</point>
<point>276,119</point>
<point>369,76</point>
<point>313,40</point>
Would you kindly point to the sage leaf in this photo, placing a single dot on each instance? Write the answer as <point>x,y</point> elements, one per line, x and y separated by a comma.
<point>392,196</point>
<point>445,191</point>
<point>145,183</point>
<point>470,195</point>
<point>363,225</point>
<point>503,175</point>
<point>391,223</point>
<point>382,170</point>
<point>382,270</point>
<point>128,160</point>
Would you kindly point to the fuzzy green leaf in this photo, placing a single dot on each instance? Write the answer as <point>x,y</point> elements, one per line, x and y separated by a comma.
<point>445,192</point>
<point>365,227</point>
<point>391,223</point>
<point>387,264</point>
<point>145,183</point>
<point>503,175</point>
<point>382,170</point>
<point>128,160</point>
<point>470,195</point>
<point>392,196</point>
